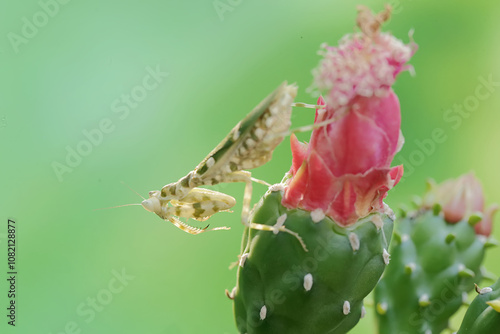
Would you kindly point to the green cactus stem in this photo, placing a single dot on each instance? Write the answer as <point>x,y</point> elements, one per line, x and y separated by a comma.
<point>283,289</point>
<point>483,314</point>
<point>434,264</point>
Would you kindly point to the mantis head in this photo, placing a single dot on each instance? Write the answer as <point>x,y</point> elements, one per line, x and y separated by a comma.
<point>152,204</point>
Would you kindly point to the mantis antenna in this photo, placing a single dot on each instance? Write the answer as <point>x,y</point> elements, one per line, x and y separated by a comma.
<point>118,206</point>
<point>126,185</point>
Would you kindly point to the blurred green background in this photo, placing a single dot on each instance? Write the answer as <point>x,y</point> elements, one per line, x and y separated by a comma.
<point>71,73</point>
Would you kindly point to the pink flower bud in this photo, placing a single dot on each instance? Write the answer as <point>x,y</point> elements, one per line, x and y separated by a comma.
<point>485,226</point>
<point>345,170</point>
<point>459,198</point>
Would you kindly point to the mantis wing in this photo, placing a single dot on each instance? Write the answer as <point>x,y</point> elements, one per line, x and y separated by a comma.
<point>251,142</point>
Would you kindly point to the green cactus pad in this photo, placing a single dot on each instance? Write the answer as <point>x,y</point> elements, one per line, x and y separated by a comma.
<point>483,315</point>
<point>283,289</point>
<point>433,265</point>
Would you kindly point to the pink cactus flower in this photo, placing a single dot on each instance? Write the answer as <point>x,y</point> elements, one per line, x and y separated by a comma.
<point>459,198</point>
<point>345,170</point>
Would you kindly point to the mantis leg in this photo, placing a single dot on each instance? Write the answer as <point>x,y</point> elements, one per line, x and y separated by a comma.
<point>306,128</point>
<point>260,181</point>
<point>307,105</point>
<point>244,176</point>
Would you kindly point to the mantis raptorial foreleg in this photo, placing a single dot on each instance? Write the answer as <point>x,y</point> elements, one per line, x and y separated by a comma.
<point>191,229</point>
<point>198,203</point>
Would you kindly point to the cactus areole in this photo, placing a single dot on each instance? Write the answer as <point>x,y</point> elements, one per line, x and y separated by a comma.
<point>332,198</point>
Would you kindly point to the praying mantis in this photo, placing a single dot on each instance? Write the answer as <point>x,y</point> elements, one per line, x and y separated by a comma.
<point>248,145</point>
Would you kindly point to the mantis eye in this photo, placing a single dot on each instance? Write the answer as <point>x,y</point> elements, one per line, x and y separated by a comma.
<point>152,204</point>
